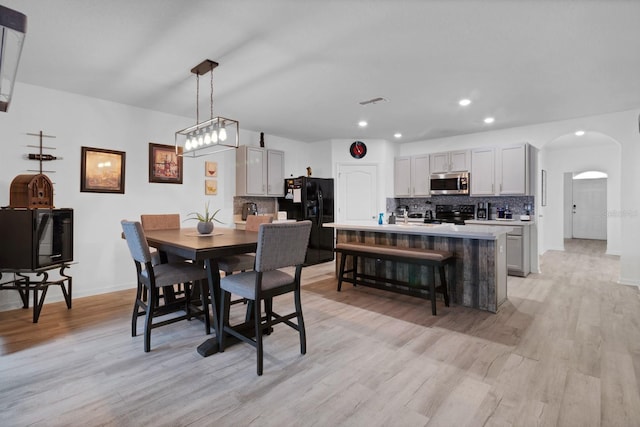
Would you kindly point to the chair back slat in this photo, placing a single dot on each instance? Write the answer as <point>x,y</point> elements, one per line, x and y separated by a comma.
<point>282,245</point>
<point>136,241</point>
<point>160,221</point>
<point>254,221</point>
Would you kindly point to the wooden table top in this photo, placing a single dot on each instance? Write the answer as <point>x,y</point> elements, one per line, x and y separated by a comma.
<point>187,243</point>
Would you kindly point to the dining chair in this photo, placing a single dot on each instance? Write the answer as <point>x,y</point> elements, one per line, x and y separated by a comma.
<point>280,245</point>
<point>151,277</point>
<point>152,222</point>
<point>244,262</point>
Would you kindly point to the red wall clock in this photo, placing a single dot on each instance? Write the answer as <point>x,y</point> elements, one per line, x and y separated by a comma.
<point>358,150</point>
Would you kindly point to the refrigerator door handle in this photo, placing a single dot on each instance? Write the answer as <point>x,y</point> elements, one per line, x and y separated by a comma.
<point>320,207</point>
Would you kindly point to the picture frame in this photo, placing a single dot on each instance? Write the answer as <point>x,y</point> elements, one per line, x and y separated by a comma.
<point>210,187</point>
<point>211,169</point>
<point>165,165</point>
<point>102,171</point>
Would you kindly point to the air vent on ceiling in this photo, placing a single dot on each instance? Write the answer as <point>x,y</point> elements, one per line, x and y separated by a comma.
<point>374,101</point>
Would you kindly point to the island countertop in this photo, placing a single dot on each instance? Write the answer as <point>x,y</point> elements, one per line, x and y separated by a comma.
<point>481,232</point>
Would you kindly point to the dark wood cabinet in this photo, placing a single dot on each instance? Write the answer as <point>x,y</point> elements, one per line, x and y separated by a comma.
<point>35,238</point>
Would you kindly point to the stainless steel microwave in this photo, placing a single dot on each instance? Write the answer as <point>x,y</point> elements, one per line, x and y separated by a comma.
<point>450,183</point>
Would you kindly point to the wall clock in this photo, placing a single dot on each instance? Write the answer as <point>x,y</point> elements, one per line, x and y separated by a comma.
<point>358,150</point>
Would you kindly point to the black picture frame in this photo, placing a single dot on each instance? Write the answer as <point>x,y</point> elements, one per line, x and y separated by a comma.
<point>165,165</point>
<point>102,170</point>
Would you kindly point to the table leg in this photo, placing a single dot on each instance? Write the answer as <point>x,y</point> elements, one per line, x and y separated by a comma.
<point>210,346</point>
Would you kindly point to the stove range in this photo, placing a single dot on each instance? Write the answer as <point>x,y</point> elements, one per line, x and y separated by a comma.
<point>453,214</point>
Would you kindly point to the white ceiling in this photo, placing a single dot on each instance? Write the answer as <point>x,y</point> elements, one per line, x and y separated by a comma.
<point>299,68</point>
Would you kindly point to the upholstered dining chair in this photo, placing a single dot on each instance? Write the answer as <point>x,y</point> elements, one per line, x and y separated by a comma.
<point>279,245</point>
<point>152,277</point>
<point>171,221</point>
<point>152,222</point>
<point>244,262</point>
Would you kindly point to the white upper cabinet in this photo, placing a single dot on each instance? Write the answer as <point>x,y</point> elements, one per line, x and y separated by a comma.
<point>411,176</point>
<point>275,173</point>
<point>516,167</point>
<point>451,161</point>
<point>503,171</point>
<point>482,172</point>
<point>259,172</point>
<point>402,177</point>
<point>420,175</point>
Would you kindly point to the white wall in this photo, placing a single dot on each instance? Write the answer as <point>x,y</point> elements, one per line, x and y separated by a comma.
<point>103,261</point>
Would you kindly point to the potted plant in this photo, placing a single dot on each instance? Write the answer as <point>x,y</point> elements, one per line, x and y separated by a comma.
<point>205,222</point>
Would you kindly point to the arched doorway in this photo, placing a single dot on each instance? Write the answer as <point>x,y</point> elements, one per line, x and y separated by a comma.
<point>564,157</point>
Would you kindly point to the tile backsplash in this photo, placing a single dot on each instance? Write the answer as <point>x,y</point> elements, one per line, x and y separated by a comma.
<point>266,205</point>
<point>515,203</point>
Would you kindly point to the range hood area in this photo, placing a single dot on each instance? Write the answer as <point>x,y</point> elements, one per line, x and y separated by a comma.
<point>13,27</point>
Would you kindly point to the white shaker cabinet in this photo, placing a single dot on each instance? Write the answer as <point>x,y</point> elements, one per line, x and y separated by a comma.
<point>420,175</point>
<point>402,176</point>
<point>411,176</point>
<point>518,251</point>
<point>451,161</point>
<point>514,169</point>
<point>483,172</point>
<point>259,172</point>
<point>275,173</point>
<point>503,171</point>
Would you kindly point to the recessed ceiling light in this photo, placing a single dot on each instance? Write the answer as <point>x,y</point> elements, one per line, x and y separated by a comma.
<point>489,120</point>
<point>464,102</point>
<point>579,132</point>
<point>397,135</point>
<point>362,123</point>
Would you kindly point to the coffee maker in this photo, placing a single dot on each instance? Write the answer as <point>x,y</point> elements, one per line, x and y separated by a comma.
<point>483,211</point>
<point>249,209</point>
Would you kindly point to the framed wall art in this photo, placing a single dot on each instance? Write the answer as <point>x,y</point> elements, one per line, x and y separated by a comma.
<point>165,165</point>
<point>211,169</point>
<point>102,171</point>
<point>210,187</point>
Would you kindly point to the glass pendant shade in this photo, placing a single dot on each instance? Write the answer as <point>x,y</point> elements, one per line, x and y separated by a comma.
<point>210,136</point>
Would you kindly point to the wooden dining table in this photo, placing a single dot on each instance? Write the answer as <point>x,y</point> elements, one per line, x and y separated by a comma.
<point>205,249</point>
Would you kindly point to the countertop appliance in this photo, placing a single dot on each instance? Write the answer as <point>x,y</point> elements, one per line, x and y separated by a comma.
<point>402,210</point>
<point>455,214</point>
<point>249,209</point>
<point>483,211</point>
<point>311,198</point>
<point>450,183</point>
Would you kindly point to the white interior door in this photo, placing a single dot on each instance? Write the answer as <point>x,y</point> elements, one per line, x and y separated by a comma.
<point>590,209</point>
<point>357,192</point>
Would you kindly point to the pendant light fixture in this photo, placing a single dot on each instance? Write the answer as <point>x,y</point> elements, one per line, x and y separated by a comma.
<point>13,27</point>
<point>210,136</point>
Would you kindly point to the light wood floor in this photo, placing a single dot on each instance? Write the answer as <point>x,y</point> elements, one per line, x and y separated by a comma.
<point>564,350</point>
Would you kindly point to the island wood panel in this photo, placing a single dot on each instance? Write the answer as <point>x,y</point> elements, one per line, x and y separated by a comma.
<point>475,278</point>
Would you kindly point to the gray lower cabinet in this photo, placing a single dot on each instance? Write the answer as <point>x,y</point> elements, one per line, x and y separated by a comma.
<point>518,247</point>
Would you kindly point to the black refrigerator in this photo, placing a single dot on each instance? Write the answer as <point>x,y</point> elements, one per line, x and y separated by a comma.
<point>311,198</point>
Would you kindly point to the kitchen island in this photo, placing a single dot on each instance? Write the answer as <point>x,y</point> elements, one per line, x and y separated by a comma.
<point>480,276</point>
